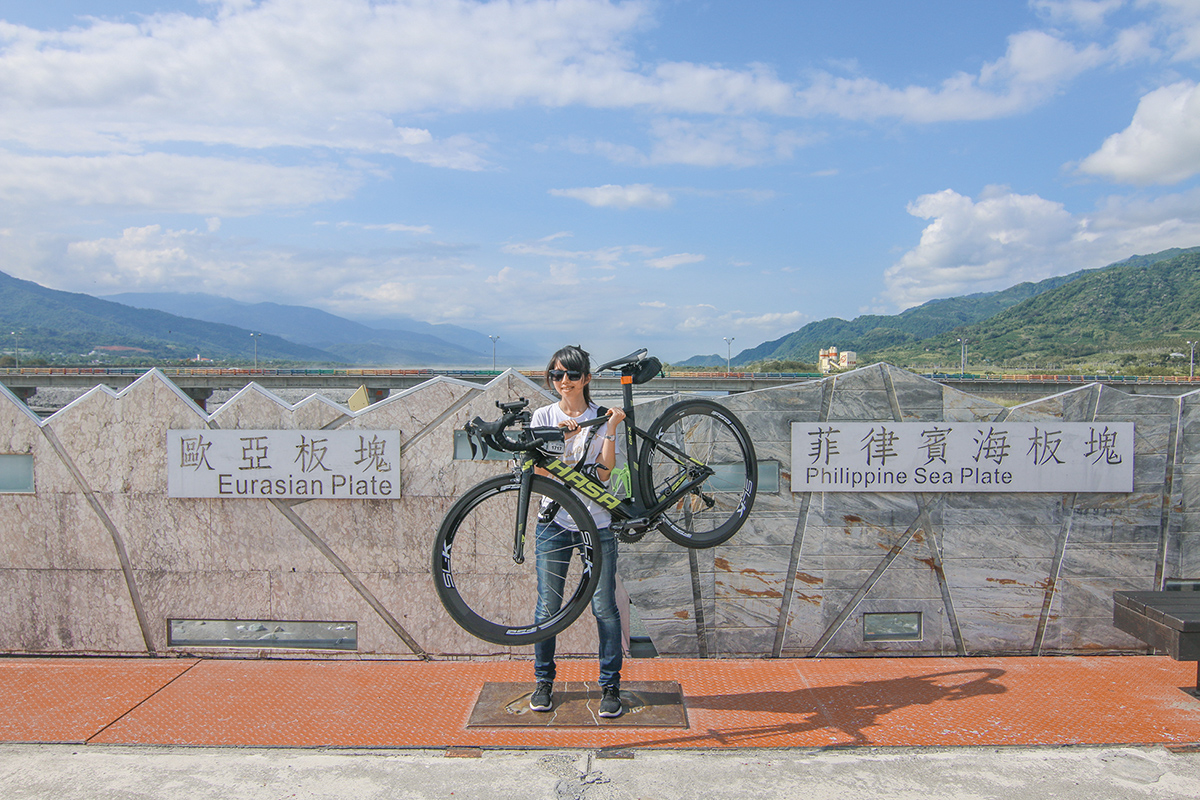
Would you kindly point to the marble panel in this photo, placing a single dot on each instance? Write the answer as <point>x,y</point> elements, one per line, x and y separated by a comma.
<point>806,625</point>
<point>1022,578</point>
<point>998,541</point>
<point>1046,408</point>
<point>20,430</point>
<point>749,559</point>
<point>674,639</point>
<point>1082,635</point>
<point>252,534</point>
<point>413,410</point>
<point>1031,510</point>
<point>754,584</point>
<point>376,535</point>
<point>731,641</point>
<point>1113,404</point>
<point>747,612</point>
<point>771,431</point>
<point>765,529</point>
<point>869,377</point>
<point>316,412</point>
<point>800,397</point>
<point>330,597</point>
<point>843,509</point>
<point>917,393</point>
<point>1117,560</point>
<point>907,579</point>
<point>53,531</point>
<point>67,611</point>
<point>961,407</point>
<point>997,630</point>
<point>1092,596</point>
<point>872,543</point>
<point>1149,472</point>
<point>860,405</point>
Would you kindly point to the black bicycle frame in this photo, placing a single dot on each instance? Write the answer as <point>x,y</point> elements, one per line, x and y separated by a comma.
<point>630,509</point>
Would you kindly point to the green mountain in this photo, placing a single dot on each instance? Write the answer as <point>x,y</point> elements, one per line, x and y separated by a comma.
<point>78,327</point>
<point>1132,313</point>
<point>906,335</point>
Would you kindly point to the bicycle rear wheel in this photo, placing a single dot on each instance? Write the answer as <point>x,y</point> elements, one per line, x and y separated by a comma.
<point>480,585</point>
<point>688,434</point>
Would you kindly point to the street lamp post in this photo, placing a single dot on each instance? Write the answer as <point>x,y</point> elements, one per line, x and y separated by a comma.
<point>17,348</point>
<point>255,337</point>
<point>1192,361</point>
<point>728,351</point>
<point>494,340</point>
<point>963,362</point>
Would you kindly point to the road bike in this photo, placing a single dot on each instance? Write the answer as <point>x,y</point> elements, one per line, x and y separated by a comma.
<point>692,475</point>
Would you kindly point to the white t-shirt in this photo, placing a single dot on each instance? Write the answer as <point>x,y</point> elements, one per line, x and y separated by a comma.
<point>549,417</point>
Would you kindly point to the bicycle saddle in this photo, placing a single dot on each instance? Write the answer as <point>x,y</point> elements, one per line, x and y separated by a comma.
<point>632,358</point>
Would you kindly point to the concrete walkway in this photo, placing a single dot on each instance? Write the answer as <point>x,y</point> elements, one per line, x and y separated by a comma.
<point>1095,727</point>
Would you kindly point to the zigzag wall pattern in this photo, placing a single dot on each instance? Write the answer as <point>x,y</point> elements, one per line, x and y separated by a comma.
<point>98,558</point>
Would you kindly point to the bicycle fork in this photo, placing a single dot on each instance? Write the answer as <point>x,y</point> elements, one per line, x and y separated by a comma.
<point>523,495</point>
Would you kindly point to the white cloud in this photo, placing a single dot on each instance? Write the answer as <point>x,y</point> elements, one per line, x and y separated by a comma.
<point>278,72</point>
<point>635,195</point>
<point>1088,14</point>
<point>673,261</point>
<point>1161,144</point>
<point>1035,66</point>
<point>728,142</point>
<point>752,328</point>
<point>603,257</point>
<point>390,227</point>
<point>166,182</point>
<point>1004,238</point>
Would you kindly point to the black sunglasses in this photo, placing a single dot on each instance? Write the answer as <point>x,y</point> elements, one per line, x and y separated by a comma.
<point>558,374</point>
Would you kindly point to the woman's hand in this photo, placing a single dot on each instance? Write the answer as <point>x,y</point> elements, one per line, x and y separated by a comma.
<point>615,417</point>
<point>570,426</point>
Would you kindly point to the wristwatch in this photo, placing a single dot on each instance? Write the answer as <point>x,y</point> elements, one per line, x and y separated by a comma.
<point>610,437</point>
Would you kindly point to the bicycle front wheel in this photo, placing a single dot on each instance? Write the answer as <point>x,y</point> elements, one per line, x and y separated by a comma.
<point>490,595</point>
<point>690,434</point>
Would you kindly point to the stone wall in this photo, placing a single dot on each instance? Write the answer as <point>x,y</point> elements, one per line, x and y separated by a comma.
<point>99,557</point>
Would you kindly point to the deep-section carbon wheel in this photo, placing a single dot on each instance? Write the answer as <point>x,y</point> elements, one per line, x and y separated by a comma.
<point>689,434</point>
<point>480,585</point>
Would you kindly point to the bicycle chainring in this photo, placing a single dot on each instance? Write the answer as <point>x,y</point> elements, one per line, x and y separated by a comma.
<point>629,537</point>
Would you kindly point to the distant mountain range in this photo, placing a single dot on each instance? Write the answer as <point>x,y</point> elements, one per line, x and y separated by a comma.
<point>79,327</point>
<point>1142,308</point>
<point>936,325</point>
<point>397,340</point>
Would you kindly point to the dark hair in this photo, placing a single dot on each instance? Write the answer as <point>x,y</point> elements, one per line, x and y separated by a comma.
<point>572,357</point>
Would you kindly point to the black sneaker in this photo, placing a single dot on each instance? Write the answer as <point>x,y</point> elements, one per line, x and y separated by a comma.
<point>542,698</point>
<point>610,703</point>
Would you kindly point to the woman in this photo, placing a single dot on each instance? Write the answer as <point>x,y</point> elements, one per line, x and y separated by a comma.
<point>569,374</point>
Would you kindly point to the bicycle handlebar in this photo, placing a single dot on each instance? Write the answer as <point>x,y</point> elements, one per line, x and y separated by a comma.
<point>496,436</point>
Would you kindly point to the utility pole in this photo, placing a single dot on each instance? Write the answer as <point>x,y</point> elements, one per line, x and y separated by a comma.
<point>1192,361</point>
<point>728,351</point>
<point>255,337</point>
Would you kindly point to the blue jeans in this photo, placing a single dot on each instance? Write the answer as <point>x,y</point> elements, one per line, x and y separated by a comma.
<point>552,538</point>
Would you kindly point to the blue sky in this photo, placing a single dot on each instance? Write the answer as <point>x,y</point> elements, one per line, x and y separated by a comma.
<point>661,174</point>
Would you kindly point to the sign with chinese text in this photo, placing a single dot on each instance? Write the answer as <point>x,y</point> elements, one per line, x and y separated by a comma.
<point>331,465</point>
<point>962,457</point>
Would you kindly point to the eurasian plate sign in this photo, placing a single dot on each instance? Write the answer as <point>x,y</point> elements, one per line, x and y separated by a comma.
<point>284,464</point>
<point>962,457</point>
